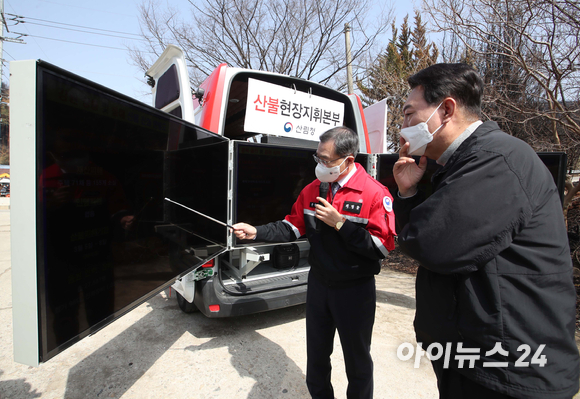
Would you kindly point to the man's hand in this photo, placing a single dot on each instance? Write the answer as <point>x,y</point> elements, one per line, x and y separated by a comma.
<point>327,213</point>
<point>244,231</point>
<point>407,173</point>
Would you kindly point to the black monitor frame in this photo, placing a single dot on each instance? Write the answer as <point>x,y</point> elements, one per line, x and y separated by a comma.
<point>265,188</point>
<point>99,157</point>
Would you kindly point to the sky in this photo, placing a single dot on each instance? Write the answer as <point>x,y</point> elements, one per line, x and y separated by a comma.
<point>57,33</point>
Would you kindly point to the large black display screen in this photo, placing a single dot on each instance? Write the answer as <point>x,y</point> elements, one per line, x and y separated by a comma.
<point>554,161</point>
<point>197,179</point>
<point>268,180</point>
<point>104,163</point>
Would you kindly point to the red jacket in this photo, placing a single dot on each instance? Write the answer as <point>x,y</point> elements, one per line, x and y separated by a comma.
<point>353,252</point>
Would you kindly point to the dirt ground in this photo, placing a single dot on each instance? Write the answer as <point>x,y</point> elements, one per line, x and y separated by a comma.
<point>157,351</point>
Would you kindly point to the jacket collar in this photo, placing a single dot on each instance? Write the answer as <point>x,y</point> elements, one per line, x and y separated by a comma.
<point>357,181</point>
<point>469,143</point>
<point>457,142</point>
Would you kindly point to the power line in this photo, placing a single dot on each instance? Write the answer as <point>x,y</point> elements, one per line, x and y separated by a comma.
<point>35,41</point>
<point>10,55</point>
<point>76,26</point>
<point>84,44</point>
<point>83,31</point>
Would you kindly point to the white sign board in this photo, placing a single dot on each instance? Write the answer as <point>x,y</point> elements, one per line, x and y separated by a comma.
<point>277,110</point>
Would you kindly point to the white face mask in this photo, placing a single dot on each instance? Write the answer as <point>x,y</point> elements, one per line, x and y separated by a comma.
<point>418,136</point>
<point>328,175</point>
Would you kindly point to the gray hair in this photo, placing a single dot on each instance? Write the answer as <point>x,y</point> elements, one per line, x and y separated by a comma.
<point>345,140</point>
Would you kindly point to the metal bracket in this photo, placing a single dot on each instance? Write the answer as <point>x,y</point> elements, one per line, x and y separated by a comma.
<point>230,210</point>
<point>249,259</point>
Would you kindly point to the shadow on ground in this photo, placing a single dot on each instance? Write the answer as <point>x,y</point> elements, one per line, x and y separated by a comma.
<point>396,299</point>
<point>19,387</point>
<point>114,368</point>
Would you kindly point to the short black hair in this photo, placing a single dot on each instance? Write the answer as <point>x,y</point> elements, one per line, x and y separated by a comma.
<point>345,140</point>
<point>458,81</point>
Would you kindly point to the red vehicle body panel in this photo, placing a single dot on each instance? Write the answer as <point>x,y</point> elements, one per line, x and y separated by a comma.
<point>212,99</point>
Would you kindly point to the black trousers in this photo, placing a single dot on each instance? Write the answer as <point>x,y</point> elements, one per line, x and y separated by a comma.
<point>351,311</point>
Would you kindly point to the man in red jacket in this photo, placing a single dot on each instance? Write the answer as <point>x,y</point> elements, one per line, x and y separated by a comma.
<point>349,231</point>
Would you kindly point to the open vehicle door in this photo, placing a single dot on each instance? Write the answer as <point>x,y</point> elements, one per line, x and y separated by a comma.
<point>170,82</point>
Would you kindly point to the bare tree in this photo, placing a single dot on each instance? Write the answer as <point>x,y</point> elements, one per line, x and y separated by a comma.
<point>303,38</point>
<point>528,52</point>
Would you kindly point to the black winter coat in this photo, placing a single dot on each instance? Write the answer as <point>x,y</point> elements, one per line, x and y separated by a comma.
<point>495,267</point>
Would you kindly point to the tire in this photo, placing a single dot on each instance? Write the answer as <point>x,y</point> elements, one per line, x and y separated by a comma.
<point>185,306</point>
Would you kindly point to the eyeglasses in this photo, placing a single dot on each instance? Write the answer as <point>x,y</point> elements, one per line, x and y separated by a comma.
<point>324,162</point>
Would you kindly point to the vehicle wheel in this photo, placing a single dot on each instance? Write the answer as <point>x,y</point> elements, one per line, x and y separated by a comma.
<point>184,305</point>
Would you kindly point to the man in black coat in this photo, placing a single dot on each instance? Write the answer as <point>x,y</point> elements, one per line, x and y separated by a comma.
<point>494,290</point>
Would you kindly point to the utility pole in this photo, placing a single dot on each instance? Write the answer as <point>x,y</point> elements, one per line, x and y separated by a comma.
<point>2,39</point>
<point>348,57</point>
<point>2,44</point>
<point>7,39</point>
